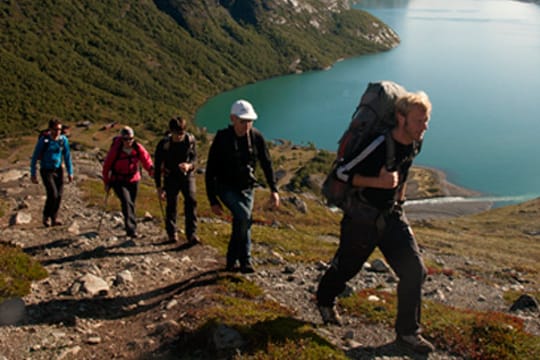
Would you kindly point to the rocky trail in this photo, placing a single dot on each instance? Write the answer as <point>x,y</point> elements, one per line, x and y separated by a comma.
<point>108,296</point>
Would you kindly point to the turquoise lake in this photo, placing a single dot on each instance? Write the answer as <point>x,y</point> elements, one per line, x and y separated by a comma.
<point>478,60</point>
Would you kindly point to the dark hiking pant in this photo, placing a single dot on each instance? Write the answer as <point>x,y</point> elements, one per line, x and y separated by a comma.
<point>53,180</point>
<point>240,203</point>
<point>127,193</point>
<point>398,245</point>
<point>173,186</point>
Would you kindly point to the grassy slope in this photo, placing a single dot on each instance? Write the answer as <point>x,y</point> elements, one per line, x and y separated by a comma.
<point>116,61</point>
<point>275,333</point>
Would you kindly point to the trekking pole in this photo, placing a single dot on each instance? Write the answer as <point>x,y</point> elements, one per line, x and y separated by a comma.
<point>162,212</point>
<point>104,208</point>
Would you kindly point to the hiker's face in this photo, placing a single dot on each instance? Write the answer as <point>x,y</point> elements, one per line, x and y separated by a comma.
<point>178,135</point>
<point>127,140</point>
<point>416,123</point>
<point>56,131</point>
<point>241,126</point>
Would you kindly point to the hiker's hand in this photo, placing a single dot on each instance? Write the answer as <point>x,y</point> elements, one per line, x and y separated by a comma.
<point>184,167</point>
<point>217,209</point>
<point>274,199</point>
<point>162,193</point>
<point>70,178</point>
<point>33,179</point>
<point>388,179</point>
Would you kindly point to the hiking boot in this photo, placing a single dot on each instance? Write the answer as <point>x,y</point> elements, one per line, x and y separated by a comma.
<point>416,343</point>
<point>330,315</point>
<point>194,240</point>
<point>247,269</point>
<point>46,221</point>
<point>231,267</point>
<point>55,222</point>
<point>173,238</point>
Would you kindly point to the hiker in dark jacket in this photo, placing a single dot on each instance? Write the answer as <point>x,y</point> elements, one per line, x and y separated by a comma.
<point>121,173</point>
<point>230,178</point>
<point>378,220</point>
<point>175,159</point>
<point>52,147</point>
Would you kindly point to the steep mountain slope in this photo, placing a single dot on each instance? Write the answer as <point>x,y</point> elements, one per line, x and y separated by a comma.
<point>146,60</point>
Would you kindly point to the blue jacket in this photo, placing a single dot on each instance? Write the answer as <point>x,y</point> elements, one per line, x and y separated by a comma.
<point>50,152</point>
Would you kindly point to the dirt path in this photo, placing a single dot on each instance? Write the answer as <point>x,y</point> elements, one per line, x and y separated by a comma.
<point>149,290</point>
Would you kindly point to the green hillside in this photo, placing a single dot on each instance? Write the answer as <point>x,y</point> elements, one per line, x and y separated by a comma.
<point>139,62</point>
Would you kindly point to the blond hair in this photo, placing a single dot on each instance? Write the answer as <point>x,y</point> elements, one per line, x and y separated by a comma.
<point>405,103</point>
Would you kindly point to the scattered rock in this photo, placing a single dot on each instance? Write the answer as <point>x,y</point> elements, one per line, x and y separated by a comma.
<point>225,338</point>
<point>379,266</point>
<point>12,311</point>
<point>93,285</point>
<point>21,218</point>
<point>525,302</point>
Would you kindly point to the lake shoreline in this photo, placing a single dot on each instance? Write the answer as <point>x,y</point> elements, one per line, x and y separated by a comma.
<point>456,201</point>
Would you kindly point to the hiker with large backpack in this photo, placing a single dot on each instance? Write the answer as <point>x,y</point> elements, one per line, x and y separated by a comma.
<point>230,179</point>
<point>373,173</point>
<point>175,159</point>
<point>51,148</point>
<point>121,172</point>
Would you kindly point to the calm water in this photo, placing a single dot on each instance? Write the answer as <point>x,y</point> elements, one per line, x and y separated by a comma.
<point>477,59</point>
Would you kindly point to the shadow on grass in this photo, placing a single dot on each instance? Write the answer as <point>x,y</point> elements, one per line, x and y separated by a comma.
<point>101,251</point>
<point>391,349</point>
<point>66,311</point>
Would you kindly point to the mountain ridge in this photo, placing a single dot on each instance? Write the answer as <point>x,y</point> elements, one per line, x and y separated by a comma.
<point>148,60</point>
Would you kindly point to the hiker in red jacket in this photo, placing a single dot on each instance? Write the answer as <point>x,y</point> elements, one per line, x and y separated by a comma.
<point>121,173</point>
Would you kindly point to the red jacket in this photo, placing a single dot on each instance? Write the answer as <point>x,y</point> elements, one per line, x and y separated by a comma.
<point>122,166</point>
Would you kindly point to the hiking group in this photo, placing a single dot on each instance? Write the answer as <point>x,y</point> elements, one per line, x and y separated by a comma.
<point>367,182</point>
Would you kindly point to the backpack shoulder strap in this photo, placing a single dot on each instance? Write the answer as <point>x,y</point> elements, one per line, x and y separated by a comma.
<point>390,152</point>
<point>343,169</point>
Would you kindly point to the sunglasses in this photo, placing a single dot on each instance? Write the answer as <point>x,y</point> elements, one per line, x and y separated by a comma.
<point>125,138</point>
<point>56,129</point>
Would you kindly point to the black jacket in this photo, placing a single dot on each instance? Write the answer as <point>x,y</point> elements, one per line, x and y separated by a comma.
<point>169,154</point>
<point>231,161</point>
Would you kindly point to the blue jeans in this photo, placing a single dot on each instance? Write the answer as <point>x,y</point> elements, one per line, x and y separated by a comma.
<point>240,203</point>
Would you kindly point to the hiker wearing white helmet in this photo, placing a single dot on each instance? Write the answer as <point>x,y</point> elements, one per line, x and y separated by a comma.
<point>230,179</point>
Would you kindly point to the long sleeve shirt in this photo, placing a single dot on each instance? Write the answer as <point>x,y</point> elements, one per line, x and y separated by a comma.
<point>228,158</point>
<point>169,154</point>
<point>122,164</point>
<point>50,153</point>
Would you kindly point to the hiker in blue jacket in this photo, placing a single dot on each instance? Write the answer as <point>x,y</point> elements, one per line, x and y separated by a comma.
<point>52,147</point>
<point>378,220</point>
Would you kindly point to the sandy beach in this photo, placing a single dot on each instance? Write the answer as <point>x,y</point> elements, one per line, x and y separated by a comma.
<point>456,201</point>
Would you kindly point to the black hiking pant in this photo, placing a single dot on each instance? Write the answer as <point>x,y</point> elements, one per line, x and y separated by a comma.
<point>127,193</point>
<point>174,185</point>
<point>53,180</point>
<point>397,243</point>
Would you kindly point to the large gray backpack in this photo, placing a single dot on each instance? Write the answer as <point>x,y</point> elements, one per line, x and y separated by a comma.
<point>375,114</point>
